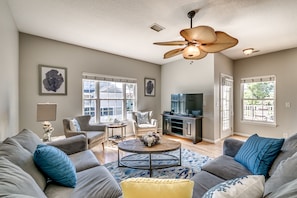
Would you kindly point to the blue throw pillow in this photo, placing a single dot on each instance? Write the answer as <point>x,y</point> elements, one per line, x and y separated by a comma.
<point>55,164</point>
<point>258,153</point>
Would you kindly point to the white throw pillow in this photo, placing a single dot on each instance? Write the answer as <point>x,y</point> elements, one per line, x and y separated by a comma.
<point>143,117</point>
<point>242,187</point>
<point>74,125</point>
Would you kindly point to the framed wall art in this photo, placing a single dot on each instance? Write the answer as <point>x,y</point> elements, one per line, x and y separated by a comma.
<point>52,80</point>
<point>149,87</point>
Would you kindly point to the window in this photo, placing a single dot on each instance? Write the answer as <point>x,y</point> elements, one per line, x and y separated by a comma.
<point>106,98</point>
<point>258,99</point>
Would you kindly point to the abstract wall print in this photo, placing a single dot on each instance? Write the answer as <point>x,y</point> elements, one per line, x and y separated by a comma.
<point>149,87</point>
<point>52,80</point>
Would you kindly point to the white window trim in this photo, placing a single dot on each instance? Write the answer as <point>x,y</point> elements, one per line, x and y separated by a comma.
<point>101,77</point>
<point>258,79</point>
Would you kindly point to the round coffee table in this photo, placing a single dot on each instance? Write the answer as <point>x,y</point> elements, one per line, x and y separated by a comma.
<point>149,158</point>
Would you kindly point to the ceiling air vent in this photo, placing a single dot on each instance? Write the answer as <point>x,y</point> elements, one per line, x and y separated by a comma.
<point>157,27</point>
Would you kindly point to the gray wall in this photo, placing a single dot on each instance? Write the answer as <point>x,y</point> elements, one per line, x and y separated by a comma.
<point>182,76</point>
<point>283,65</point>
<point>36,50</point>
<point>223,65</point>
<point>200,76</point>
<point>9,87</point>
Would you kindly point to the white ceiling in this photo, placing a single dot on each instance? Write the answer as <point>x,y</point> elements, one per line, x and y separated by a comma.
<point>123,26</point>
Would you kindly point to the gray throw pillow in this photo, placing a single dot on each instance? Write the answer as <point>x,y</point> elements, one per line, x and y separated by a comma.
<point>28,139</point>
<point>143,118</point>
<point>288,149</point>
<point>15,153</point>
<point>285,191</point>
<point>285,172</point>
<point>13,180</point>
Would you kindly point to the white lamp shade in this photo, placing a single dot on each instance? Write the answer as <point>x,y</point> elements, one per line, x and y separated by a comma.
<point>191,51</point>
<point>46,112</point>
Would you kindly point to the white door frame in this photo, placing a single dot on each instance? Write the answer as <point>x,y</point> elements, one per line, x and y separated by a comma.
<point>225,132</point>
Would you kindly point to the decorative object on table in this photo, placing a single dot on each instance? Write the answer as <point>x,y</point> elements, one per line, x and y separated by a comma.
<point>116,121</point>
<point>150,139</point>
<point>52,80</point>
<point>46,112</point>
<point>149,87</point>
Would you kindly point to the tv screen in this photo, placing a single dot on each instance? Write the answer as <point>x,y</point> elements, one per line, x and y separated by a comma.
<point>187,104</point>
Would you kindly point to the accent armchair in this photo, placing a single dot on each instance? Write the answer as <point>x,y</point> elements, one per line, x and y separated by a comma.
<point>143,123</point>
<point>95,134</point>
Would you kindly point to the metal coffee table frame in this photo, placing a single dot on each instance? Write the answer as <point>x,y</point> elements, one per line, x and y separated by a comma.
<point>150,162</point>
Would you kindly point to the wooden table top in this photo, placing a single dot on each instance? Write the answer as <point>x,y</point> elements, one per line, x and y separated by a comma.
<point>137,146</point>
<point>116,125</point>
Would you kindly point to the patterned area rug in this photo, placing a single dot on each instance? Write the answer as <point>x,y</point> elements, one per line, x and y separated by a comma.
<point>191,164</point>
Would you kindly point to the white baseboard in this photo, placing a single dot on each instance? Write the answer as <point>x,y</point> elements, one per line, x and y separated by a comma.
<point>242,134</point>
<point>210,141</point>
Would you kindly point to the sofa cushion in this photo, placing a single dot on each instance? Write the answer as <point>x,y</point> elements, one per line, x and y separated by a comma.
<point>28,139</point>
<point>15,153</point>
<point>226,168</point>
<point>14,180</point>
<point>93,182</point>
<point>258,153</point>
<point>288,149</point>
<point>285,191</point>
<point>285,172</point>
<point>74,125</point>
<point>55,164</point>
<point>203,182</point>
<point>243,187</point>
<point>146,126</point>
<point>84,160</point>
<point>154,187</point>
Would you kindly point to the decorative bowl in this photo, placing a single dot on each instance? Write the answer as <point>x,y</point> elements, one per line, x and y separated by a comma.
<point>150,139</point>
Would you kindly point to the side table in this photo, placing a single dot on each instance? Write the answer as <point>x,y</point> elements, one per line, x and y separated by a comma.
<point>115,138</point>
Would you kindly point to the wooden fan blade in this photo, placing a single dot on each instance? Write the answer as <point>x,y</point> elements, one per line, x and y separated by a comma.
<point>224,41</point>
<point>201,34</point>
<point>172,43</point>
<point>172,53</point>
<point>200,56</point>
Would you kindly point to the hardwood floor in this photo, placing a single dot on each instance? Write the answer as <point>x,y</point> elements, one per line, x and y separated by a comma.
<point>110,152</point>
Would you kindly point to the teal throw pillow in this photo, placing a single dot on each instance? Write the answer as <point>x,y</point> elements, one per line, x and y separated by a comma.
<point>55,164</point>
<point>258,153</point>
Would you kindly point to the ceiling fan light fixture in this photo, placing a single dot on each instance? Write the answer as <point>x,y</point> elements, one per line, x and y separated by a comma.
<point>191,51</point>
<point>248,51</point>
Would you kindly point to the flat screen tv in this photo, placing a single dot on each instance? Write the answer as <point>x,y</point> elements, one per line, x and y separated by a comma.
<point>187,104</point>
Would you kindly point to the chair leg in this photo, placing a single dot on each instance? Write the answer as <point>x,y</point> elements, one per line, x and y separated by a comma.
<point>103,145</point>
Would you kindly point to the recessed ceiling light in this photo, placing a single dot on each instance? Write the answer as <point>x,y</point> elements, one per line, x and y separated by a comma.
<point>157,27</point>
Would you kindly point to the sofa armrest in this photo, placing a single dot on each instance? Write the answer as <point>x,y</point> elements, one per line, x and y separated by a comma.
<point>231,146</point>
<point>71,145</point>
<point>75,133</point>
<point>93,127</point>
<point>154,122</point>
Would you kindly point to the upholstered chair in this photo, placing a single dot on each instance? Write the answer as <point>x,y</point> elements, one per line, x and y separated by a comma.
<point>143,123</point>
<point>95,134</point>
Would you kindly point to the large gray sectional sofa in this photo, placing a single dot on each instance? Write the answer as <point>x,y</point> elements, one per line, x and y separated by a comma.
<point>20,177</point>
<point>281,181</point>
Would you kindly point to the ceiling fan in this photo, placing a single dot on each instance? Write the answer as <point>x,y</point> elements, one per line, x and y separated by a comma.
<point>199,41</point>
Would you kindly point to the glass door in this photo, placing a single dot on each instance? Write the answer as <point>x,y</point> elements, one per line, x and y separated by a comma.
<point>226,106</point>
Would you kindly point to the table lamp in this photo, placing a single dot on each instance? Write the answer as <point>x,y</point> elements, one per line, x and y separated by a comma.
<point>46,112</point>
